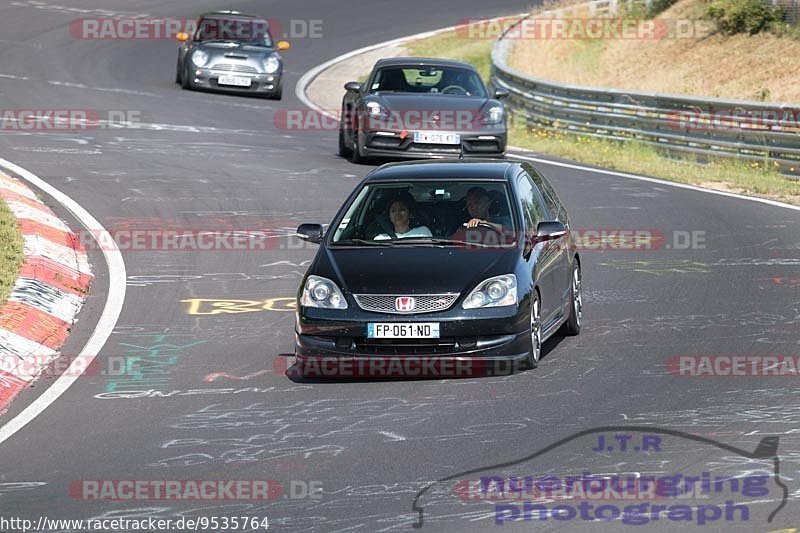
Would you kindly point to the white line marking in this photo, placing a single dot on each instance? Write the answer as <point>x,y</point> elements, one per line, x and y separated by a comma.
<point>309,76</point>
<point>394,436</point>
<point>653,180</point>
<point>108,318</point>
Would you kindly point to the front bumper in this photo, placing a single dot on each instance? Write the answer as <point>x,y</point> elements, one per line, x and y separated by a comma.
<point>262,84</point>
<point>471,343</point>
<point>392,143</point>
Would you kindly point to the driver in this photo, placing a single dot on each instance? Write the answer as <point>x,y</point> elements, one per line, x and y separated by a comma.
<point>450,78</point>
<point>477,203</point>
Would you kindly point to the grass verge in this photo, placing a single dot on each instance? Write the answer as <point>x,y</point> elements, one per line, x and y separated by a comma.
<point>754,179</point>
<point>10,250</point>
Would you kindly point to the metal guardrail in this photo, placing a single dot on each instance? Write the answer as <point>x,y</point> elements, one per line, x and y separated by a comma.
<point>704,127</point>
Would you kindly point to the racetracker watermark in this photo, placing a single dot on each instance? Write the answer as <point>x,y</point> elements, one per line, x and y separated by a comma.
<point>235,29</point>
<point>70,119</point>
<point>177,489</point>
<point>483,237</point>
<point>386,121</point>
<point>393,367</point>
<point>734,365</point>
<point>783,119</point>
<point>178,240</point>
<point>600,28</point>
<point>44,366</point>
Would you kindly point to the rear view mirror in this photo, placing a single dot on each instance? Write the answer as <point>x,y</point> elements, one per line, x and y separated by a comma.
<point>310,232</point>
<point>550,231</point>
<point>500,93</point>
<point>352,86</point>
<point>182,37</point>
<point>283,45</point>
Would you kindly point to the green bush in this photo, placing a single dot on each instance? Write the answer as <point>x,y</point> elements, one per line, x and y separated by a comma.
<point>658,6</point>
<point>743,16</point>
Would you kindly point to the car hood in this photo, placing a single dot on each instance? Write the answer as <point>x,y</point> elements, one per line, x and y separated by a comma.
<point>411,270</point>
<point>235,50</point>
<point>436,102</point>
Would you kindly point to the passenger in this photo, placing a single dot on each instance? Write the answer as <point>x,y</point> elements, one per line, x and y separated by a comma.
<point>402,216</point>
<point>477,203</point>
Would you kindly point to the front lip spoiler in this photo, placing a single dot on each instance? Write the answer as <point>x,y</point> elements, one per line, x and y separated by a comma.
<point>396,367</point>
<point>404,154</point>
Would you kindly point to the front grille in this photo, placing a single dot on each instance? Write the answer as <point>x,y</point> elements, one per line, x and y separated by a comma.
<point>445,148</point>
<point>482,146</point>
<point>407,347</point>
<point>233,67</point>
<point>424,303</point>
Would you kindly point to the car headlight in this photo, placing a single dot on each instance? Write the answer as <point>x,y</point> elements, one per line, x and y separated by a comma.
<point>375,110</point>
<point>272,65</point>
<point>199,58</point>
<point>493,292</point>
<point>322,292</point>
<point>493,115</point>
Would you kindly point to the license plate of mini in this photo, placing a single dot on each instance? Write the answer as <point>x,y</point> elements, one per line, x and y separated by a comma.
<point>236,81</point>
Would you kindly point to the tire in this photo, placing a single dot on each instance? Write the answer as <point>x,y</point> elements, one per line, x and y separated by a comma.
<point>344,151</point>
<point>536,333</point>
<point>355,153</point>
<point>573,324</point>
<point>186,82</point>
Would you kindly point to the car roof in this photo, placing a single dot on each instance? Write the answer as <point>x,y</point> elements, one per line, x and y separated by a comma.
<point>226,14</point>
<point>477,169</point>
<point>422,61</point>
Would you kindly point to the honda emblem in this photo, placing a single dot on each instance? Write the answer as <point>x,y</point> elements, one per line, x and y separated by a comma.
<point>404,303</point>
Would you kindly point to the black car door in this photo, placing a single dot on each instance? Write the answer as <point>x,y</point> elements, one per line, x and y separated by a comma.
<point>556,211</point>
<point>543,258</point>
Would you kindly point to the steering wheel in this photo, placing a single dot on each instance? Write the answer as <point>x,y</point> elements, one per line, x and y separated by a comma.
<point>458,89</point>
<point>489,226</point>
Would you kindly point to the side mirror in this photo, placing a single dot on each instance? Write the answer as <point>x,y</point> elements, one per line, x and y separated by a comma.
<point>550,231</point>
<point>283,45</point>
<point>182,37</point>
<point>352,86</point>
<point>310,232</point>
<point>500,93</point>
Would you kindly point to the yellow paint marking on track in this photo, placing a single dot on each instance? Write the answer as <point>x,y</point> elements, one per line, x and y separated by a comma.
<point>216,306</point>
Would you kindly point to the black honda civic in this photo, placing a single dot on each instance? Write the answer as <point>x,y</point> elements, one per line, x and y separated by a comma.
<point>439,268</point>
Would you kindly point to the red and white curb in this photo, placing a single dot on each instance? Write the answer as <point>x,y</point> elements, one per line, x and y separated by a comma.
<point>53,282</point>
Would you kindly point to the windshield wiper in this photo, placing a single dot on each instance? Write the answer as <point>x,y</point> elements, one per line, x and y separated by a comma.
<point>362,242</point>
<point>432,240</point>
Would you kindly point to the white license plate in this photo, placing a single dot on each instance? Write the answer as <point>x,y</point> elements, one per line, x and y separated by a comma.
<point>237,81</point>
<point>403,330</point>
<point>432,137</point>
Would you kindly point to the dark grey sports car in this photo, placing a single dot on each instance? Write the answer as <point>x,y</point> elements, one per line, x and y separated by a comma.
<point>420,108</point>
<point>231,52</point>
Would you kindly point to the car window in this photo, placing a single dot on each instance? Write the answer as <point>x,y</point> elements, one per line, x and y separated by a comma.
<point>431,80</point>
<point>247,31</point>
<point>550,205</point>
<point>530,202</point>
<point>435,208</point>
<point>550,196</point>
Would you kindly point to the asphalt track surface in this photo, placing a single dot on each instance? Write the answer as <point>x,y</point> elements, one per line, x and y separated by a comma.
<point>372,445</point>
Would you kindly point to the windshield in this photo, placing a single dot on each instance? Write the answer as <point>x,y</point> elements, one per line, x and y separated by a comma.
<point>424,212</point>
<point>432,80</point>
<point>246,31</point>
